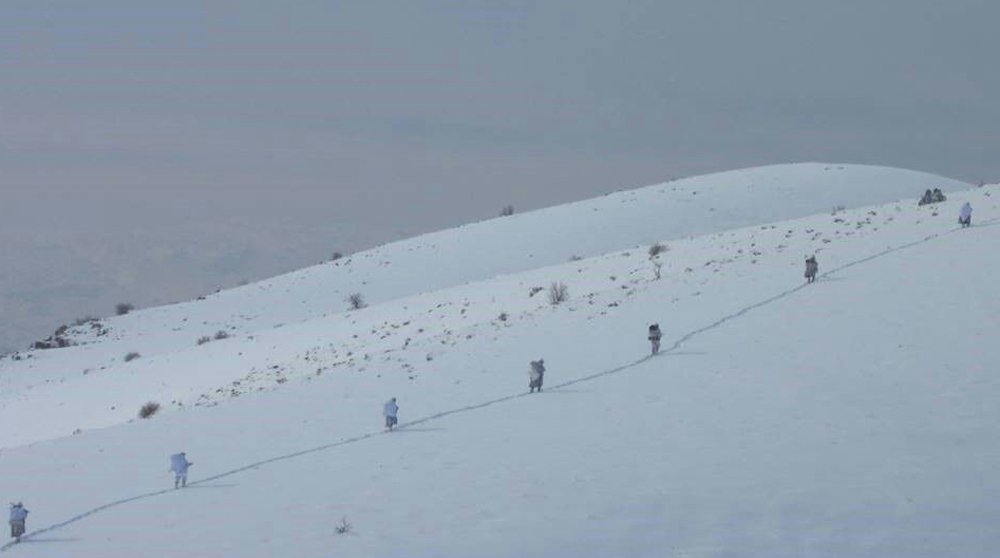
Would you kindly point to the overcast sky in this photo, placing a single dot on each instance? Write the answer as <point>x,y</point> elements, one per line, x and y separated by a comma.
<point>241,139</point>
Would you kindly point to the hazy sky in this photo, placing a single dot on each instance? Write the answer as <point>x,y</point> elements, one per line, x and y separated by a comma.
<point>252,125</point>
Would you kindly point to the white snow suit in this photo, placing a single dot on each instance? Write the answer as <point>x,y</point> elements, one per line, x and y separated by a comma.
<point>536,375</point>
<point>927,198</point>
<point>812,268</point>
<point>654,337</point>
<point>179,465</point>
<point>965,215</point>
<point>390,409</point>
<point>18,515</point>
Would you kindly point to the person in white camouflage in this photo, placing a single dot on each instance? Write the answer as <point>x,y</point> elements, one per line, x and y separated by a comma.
<point>812,268</point>
<point>536,375</point>
<point>179,466</point>
<point>654,337</point>
<point>18,516</point>
<point>389,411</point>
<point>965,216</point>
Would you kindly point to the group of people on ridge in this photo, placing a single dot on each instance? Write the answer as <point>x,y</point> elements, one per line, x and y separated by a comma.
<point>932,196</point>
<point>936,196</point>
<point>964,219</point>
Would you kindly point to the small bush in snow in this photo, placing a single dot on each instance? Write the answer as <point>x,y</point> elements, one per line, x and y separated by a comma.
<point>657,269</point>
<point>343,527</point>
<point>336,256</point>
<point>149,409</point>
<point>575,258</point>
<point>132,356</point>
<point>656,249</point>
<point>84,320</point>
<point>221,334</point>
<point>507,211</point>
<point>838,209</point>
<point>558,293</point>
<point>502,317</point>
<point>534,290</point>
<point>204,339</point>
<point>123,308</point>
<point>356,301</point>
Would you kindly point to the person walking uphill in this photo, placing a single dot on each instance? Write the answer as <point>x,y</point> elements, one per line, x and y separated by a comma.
<point>18,515</point>
<point>654,337</point>
<point>965,215</point>
<point>812,268</point>
<point>927,198</point>
<point>390,410</point>
<point>536,375</point>
<point>179,465</point>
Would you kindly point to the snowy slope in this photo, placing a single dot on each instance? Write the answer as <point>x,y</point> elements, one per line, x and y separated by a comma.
<point>93,387</point>
<point>852,417</point>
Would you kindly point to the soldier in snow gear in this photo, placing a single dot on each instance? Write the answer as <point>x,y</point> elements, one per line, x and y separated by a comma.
<point>536,375</point>
<point>812,268</point>
<point>179,465</point>
<point>965,215</point>
<point>927,198</point>
<point>18,515</point>
<point>654,337</point>
<point>389,410</point>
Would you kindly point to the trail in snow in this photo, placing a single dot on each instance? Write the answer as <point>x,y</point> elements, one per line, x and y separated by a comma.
<point>785,294</point>
<point>361,437</point>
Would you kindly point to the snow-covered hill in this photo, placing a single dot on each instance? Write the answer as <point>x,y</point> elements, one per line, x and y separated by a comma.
<point>97,388</point>
<point>853,416</point>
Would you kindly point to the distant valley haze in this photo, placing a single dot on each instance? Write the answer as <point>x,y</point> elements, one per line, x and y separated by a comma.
<point>154,152</point>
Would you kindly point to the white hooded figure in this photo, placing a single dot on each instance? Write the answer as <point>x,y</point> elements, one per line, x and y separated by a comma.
<point>389,410</point>
<point>18,515</point>
<point>179,465</point>
<point>965,215</point>
<point>536,375</point>
<point>654,337</point>
<point>927,198</point>
<point>812,268</point>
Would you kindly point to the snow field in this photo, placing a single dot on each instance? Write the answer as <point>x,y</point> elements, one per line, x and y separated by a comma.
<point>111,393</point>
<point>482,251</point>
<point>850,417</point>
